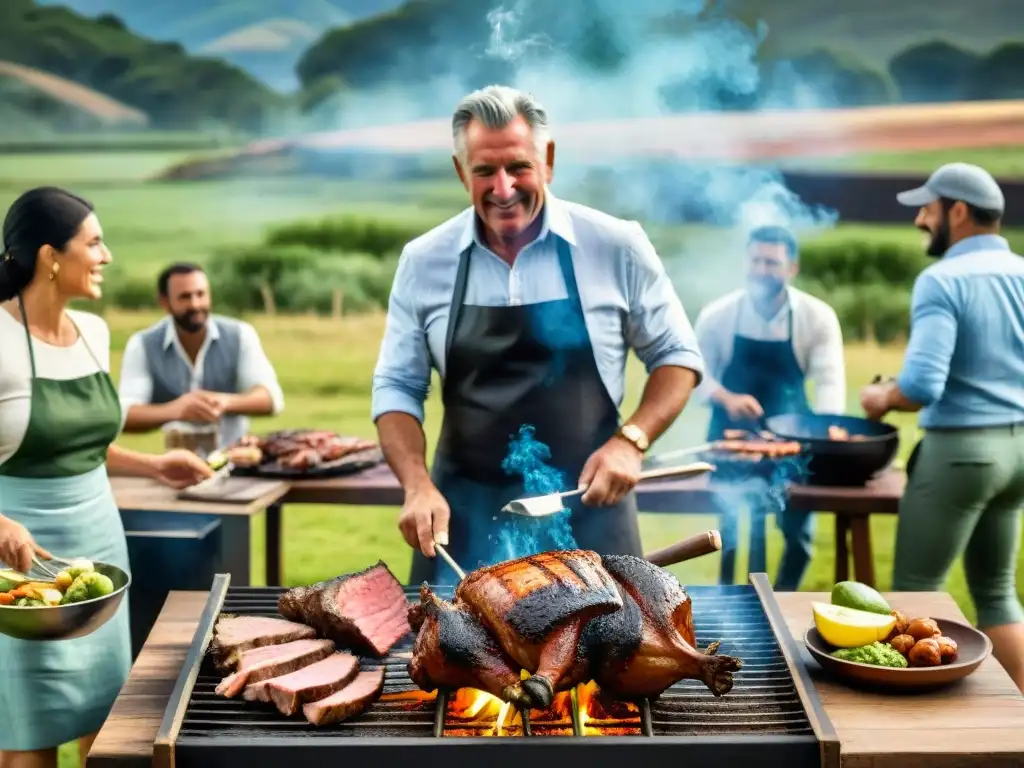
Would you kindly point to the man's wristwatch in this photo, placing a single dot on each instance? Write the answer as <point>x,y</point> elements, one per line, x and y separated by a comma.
<point>635,435</point>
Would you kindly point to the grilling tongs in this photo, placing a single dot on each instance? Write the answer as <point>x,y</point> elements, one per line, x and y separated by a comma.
<point>542,506</point>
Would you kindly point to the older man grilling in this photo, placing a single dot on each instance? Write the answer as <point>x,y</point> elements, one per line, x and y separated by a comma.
<point>526,305</point>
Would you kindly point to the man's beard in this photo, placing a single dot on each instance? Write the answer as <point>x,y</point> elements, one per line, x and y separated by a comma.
<point>939,243</point>
<point>191,321</point>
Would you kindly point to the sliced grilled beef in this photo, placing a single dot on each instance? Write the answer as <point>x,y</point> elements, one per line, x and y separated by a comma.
<point>365,611</point>
<point>233,635</point>
<point>310,683</point>
<point>350,701</point>
<point>263,666</point>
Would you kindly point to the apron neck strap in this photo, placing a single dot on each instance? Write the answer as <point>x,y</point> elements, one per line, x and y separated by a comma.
<point>28,335</point>
<point>28,338</point>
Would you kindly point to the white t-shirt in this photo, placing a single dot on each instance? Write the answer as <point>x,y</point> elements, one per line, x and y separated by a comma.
<point>51,363</point>
<point>817,342</point>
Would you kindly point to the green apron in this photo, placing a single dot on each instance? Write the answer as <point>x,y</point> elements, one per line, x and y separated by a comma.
<point>56,485</point>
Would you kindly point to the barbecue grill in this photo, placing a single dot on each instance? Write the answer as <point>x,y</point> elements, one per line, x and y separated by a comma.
<point>771,717</point>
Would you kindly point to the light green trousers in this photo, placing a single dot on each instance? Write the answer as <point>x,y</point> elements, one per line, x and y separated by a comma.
<point>964,497</point>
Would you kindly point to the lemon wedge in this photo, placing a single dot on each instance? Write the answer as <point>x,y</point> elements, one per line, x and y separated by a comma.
<point>849,628</point>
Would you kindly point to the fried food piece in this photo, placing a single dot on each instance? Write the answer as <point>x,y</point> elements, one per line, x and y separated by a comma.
<point>925,653</point>
<point>903,643</point>
<point>900,628</point>
<point>947,649</point>
<point>837,433</point>
<point>920,629</point>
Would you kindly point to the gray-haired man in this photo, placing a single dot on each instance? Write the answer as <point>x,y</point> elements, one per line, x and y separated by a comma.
<point>527,307</point>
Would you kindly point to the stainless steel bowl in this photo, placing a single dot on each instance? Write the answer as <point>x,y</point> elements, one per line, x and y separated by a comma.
<point>65,622</point>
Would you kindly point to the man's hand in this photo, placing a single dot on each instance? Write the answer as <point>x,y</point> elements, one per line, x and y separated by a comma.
<point>424,519</point>
<point>741,406</point>
<point>611,472</point>
<point>200,406</point>
<point>874,399</point>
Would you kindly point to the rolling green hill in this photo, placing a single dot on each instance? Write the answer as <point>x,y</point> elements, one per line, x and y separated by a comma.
<point>176,90</point>
<point>263,37</point>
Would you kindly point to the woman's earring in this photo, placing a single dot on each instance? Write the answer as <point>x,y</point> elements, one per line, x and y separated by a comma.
<point>53,271</point>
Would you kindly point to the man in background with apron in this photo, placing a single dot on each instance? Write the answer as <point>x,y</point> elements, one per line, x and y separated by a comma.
<point>761,345</point>
<point>527,307</point>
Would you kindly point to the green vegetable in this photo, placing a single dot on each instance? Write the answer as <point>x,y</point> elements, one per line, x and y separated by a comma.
<point>877,654</point>
<point>26,602</point>
<point>11,580</point>
<point>88,586</point>
<point>78,567</point>
<point>860,597</point>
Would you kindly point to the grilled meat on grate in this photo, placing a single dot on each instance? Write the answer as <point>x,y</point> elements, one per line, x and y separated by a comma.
<point>566,617</point>
<point>310,683</point>
<point>350,701</point>
<point>233,635</point>
<point>365,611</point>
<point>301,448</point>
<point>258,664</point>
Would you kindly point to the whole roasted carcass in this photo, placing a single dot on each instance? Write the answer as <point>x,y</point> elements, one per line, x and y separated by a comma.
<point>565,617</point>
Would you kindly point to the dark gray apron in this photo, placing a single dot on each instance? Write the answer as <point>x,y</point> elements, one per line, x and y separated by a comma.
<point>507,367</point>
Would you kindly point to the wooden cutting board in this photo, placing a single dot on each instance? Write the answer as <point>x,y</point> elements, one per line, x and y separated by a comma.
<point>240,490</point>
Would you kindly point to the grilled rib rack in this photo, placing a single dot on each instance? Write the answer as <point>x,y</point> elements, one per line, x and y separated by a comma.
<point>771,717</point>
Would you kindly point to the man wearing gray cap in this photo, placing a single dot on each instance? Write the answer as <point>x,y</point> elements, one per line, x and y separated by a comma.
<point>964,372</point>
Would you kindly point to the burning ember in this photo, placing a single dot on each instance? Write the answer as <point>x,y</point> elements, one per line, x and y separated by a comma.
<point>475,713</point>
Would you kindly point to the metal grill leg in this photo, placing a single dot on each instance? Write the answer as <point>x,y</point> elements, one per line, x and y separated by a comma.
<point>577,724</point>
<point>646,726</point>
<point>440,712</point>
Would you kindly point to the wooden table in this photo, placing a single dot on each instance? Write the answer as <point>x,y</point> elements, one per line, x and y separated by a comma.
<point>140,494</point>
<point>979,722</point>
<point>378,487</point>
<point>851,506</point>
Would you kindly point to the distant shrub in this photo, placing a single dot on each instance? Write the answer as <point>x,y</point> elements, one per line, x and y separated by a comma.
<point>379,237</point>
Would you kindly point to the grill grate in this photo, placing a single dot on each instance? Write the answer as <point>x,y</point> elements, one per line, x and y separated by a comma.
<point>764,699</point>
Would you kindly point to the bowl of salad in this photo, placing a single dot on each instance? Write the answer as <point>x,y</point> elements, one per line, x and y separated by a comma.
<point>80,599</point>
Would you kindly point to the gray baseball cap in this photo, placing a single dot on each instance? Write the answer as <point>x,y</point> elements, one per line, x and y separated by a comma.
<point>957,181</point>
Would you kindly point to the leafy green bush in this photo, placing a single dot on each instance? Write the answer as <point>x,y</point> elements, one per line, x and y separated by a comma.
<point>379,237</point>
<point>299,279</point>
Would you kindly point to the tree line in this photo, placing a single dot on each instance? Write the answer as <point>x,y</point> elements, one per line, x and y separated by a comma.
<point>446,40</point>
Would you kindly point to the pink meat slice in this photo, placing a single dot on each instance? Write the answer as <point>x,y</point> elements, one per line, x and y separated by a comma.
<point>365,612</point>
<point>350,701</point>
<point>234,635</point>
<point>311,683</point>
<point>262,666</point>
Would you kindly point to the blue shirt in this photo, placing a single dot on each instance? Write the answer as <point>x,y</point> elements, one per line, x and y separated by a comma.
<point>965,358</point>
<point>628,300</point>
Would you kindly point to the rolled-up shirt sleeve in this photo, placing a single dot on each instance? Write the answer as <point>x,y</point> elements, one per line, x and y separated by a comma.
<point>255,368</point>
<point>657,327</point>
<point>933,327</point>
<point>827,364</point>
<point>401,379</point>
<point>709,341</point>
<point>135,386</point>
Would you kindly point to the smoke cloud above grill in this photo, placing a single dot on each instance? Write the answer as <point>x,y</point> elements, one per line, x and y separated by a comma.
<point>519,536</point>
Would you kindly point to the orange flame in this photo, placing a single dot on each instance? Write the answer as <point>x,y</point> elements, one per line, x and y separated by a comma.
<point>475,713</point>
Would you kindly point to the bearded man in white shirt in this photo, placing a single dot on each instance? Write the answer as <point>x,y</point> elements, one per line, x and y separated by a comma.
<point>762,344</point>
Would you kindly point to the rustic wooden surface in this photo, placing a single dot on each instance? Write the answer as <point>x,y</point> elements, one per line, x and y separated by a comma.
<point>142,494</point>
<point>979,722</point>
<point>379,487</point>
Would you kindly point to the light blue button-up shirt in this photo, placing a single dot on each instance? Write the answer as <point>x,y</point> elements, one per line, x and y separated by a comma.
<point>965,358</point>
<point>628,300</point>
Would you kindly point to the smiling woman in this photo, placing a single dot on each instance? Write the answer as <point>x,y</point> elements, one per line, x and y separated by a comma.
<point>59,414</point>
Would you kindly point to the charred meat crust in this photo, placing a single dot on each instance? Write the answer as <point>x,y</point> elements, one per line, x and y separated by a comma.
<point>565,585</point>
